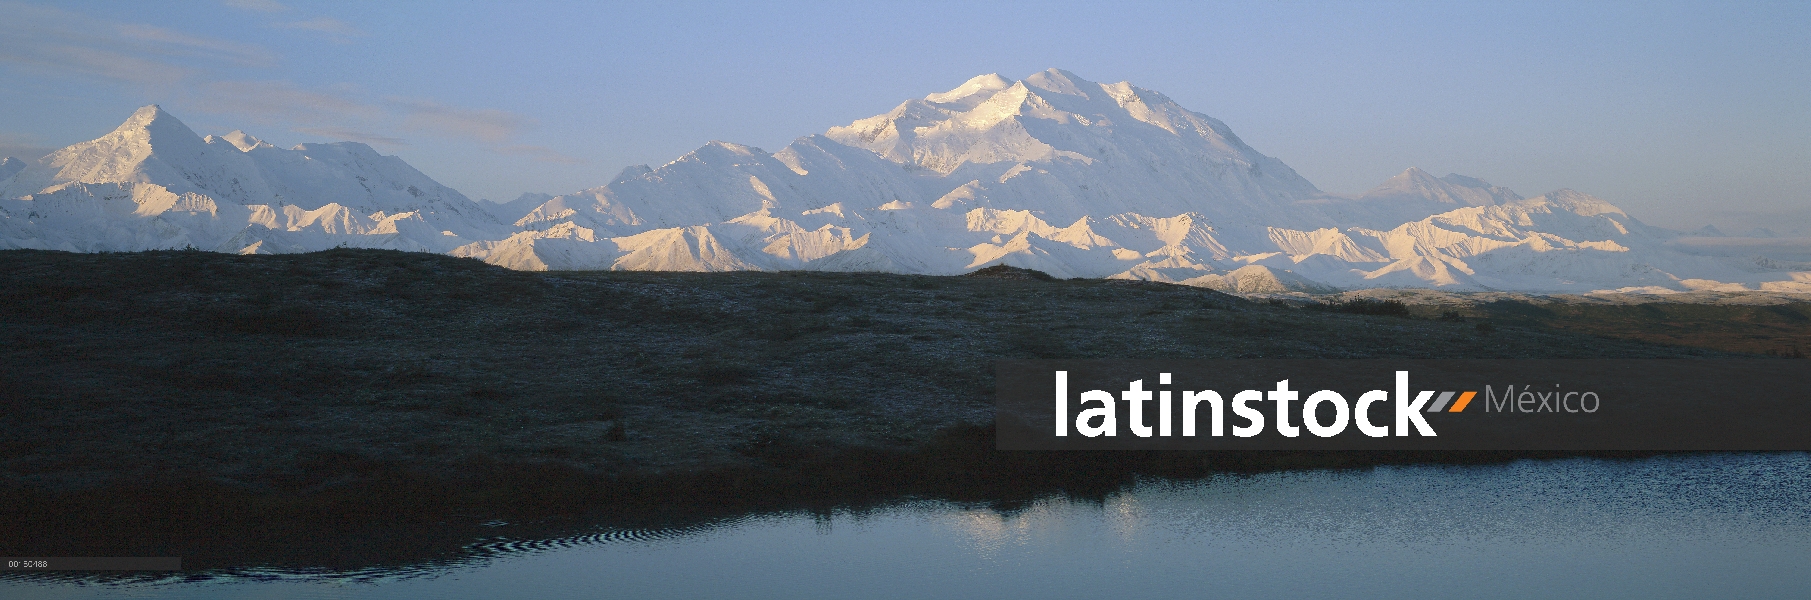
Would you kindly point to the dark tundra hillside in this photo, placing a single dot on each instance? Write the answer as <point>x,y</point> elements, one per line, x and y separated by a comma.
<point>213,405</point>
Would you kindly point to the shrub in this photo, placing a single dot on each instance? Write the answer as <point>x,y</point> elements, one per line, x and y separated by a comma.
<point>1006,272</point>
<point>1366,306</point>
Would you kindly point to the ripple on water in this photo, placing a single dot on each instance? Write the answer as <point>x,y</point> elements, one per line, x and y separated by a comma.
<point>1673,526</point>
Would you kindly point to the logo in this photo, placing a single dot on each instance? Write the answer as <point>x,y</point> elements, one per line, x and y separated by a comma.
<point>1102,419</point>
<point>1547,405</point>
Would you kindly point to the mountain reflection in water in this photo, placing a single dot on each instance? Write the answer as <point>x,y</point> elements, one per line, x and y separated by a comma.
<point>1729,526</point>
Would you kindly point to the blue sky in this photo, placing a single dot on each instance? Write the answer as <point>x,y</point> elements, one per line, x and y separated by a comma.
<point>1682,113</point>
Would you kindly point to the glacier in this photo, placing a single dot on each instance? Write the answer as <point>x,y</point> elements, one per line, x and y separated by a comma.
<point>1052,172</point>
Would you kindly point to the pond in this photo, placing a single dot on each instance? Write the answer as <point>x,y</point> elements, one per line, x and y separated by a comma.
<point>1695,526</point>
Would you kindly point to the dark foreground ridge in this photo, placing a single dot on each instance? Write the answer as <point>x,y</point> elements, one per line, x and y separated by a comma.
<point>351,408</point>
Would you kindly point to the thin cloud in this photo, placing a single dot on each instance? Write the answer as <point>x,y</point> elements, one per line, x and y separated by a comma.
<point>256,5</point>
<point>540,154</point>
<point>68,43</point>
<point>94,62</point>
<point>184,68</point>
<point>344,133</point>
<point>280,100</point>
<point>174,43</point>
<point>339,112</point>
<point>335,29</point>
<point>485,125</point>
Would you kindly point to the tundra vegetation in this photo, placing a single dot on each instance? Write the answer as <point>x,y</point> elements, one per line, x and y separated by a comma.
<point>356,407</point>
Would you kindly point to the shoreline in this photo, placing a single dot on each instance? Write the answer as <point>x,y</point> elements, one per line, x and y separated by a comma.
<point>405,520</point>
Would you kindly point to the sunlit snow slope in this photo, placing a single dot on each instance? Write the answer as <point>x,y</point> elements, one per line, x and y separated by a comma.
<point>1053,172</point>
<point>152,183</point>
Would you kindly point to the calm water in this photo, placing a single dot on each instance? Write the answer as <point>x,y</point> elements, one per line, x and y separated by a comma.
<point>1678,527</point>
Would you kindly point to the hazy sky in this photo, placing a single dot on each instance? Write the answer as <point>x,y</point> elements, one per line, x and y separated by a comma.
<point>1681,113</point>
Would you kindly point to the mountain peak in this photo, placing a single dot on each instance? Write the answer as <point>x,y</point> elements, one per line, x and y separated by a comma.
<point>1410,182</point>
<point>140,149</point>
<point>1415,184</point>
<point>1056,117</point>
<point>1058,81</point>
<point>1581,203</point>
<point>150,127</point>
<point>146,114</point>
<point>971,92</point>
<point>244,141</point>
<point>732,148</point>
<point>1413,174</point>
<point>152,119</point>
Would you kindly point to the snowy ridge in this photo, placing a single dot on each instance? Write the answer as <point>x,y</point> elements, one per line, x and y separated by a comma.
<point>9,167</point>
<point>153,183</point>
<point>1052,172</point>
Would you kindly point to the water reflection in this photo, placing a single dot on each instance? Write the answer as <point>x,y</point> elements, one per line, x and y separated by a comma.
<point>1671,527</point>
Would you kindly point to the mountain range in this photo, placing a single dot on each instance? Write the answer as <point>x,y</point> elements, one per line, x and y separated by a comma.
<point>1051,172</point>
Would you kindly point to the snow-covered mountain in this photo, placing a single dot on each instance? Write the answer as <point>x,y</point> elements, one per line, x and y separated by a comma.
<point>153,183</point>
<point>1414,194</point>
<point>10,166</point>
<point>1052,172</point>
